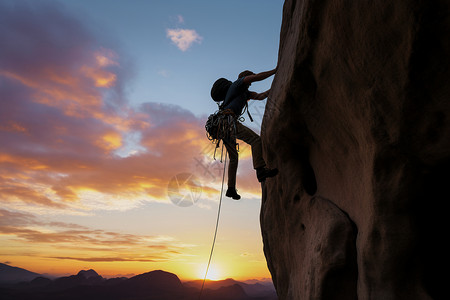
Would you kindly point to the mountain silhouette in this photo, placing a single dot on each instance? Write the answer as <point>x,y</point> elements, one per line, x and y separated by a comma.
<point>83,278</point>
<point>9,274</point>
<point>251,289</point>
<point>154,285</point>
<point>235,292</point>
<point>154,280</point>
<point>88,274</point>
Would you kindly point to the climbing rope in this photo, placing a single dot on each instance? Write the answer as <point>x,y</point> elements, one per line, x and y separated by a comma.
<point>217,225</point>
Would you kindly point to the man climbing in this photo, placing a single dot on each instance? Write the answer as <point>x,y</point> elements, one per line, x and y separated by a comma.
<point>236,98</point>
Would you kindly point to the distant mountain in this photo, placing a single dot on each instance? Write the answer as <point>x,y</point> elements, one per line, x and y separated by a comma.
<point>211,284</point>
<point>232,292</point>
<point>256,289</point>
<point>88,274</point>
<point>9,274</point>
<point>154,285</point>
<point>85,278</point>
<point>159,280</point>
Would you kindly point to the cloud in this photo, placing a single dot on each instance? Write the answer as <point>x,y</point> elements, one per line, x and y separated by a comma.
<point>183,38</point>
<point>23,219</point>
<point>72,144</point>
<point>20,228</point>
<point>64,120</point>
<point>164,73</point>
<point>70,141</point>
<point>105,259</point>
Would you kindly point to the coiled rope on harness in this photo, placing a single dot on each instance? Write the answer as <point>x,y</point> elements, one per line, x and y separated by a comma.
<point>217,226</point>
<point>222,126</point>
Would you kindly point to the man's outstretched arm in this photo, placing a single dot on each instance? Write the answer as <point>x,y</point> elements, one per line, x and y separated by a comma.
<point>259,96</point>
<point>258,77</point>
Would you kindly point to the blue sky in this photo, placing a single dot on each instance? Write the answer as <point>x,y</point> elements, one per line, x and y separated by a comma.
<point>103,106</point>
<point>235,35</point>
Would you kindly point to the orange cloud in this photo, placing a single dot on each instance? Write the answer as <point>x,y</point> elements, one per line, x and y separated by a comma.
<point>110,141</point>
<point>93,245</point>
<point>64,126</point>
<point>72,144</point>
<point>100,77</point>
<point>13,126</point>
<point>106,57</point>
<point>108,259</point>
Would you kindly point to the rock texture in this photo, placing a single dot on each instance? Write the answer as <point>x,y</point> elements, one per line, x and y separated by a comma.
<point>358,123</point>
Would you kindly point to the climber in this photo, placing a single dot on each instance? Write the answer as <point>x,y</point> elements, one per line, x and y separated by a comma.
<point>237,96</point>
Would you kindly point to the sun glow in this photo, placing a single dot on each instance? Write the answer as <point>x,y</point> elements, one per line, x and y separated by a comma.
<point>213,273</point>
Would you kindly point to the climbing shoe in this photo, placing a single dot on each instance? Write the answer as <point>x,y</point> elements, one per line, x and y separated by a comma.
<point>263,173</point>
<point>231,192</point>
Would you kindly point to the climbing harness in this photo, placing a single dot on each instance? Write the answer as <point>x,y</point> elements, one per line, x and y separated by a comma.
<point>222,126</point>
<point>217,226</point>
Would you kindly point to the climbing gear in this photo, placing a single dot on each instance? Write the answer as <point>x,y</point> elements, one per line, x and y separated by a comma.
<point>248,111</point>
<point>222,126</point>
<point>263,173</point>
<point>219,89</point>
<point>217,226</point>
<point>232,193</point>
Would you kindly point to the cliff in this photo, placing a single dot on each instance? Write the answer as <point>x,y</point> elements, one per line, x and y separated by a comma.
<point>358,123</point>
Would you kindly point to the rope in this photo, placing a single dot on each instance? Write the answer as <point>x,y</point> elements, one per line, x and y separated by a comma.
<point>217,225</point>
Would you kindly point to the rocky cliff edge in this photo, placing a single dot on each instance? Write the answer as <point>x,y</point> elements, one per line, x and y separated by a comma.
<point>358,123</point>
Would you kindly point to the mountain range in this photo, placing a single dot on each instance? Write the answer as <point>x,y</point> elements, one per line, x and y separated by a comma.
<point>21,284</point>
<point>9,274</point>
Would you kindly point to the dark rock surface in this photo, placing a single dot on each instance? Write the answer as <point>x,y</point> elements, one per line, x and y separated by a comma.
<point>358,123</point>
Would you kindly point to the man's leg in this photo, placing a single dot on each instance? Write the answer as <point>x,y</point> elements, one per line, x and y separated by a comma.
<point>250,137</point>
<point>232,170</point>
<point>247,135</point>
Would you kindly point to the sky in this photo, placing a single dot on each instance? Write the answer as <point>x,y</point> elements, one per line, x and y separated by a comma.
<point>104,161</point>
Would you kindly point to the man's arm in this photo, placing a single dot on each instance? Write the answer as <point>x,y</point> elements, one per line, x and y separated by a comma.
<point>260,96</point>
<point>258,77</point>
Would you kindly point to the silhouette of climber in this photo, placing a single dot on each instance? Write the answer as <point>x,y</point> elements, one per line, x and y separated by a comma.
<point>236,99</point>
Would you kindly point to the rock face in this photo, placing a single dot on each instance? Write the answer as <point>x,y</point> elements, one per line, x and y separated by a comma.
<point>358,123</point>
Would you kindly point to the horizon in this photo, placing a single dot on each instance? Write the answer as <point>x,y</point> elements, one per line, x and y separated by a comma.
<point>102,116</point>
<point>55,276</point>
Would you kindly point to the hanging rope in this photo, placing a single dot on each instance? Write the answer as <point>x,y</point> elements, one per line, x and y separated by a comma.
<point>217,225</point>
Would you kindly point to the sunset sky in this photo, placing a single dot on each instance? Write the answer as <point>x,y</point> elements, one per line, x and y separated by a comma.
<point>102,107</point>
